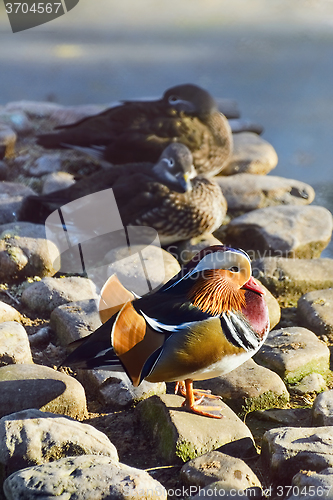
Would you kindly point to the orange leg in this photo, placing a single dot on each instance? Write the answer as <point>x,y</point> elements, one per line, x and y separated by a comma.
<point>199,394</point>
<point>194,406</point>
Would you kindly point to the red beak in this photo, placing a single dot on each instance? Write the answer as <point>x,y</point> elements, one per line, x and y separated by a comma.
<point>254,287</point>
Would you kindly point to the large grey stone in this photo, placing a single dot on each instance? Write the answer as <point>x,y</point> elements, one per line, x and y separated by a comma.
<point>8,313</point>
<point>322,409</point>
<point>115,390</point>
<point>288,450</point>
<point>314,382</point>
<point>34,386</point>
<point>246,192</point>
<point>249,387</point>
<point>315,312</point>
<point>49,293</point>
<point>57,180</point>
<point>309,484</point>
<point>285,231</point>
<point>24,251</point>
<point>12,196</point>
<point>216,466</point>
<point>46,164</point>
<point>14,344</point>
<point>294,353</point>
<point>291,278</point>
<point>180,435</point>
<point>244,125</point>
<point>88,477</point>
<point>17,121</point>
<point>75,320</point>
<point>251,155</point>
<point>33,437</point>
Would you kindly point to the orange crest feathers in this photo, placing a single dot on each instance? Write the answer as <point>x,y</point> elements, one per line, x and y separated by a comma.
<point>216,292</point>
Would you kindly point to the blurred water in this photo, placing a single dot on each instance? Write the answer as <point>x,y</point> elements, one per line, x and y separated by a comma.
<point>275,58</point>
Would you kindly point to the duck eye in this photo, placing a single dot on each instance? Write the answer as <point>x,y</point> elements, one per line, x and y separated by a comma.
<point>171,162</point>
<point>234,269</point>
<point>173,99</point>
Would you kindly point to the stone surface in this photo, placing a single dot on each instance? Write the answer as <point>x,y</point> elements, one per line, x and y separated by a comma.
<point>180,435</point>
<point>316,485</point>
<point>294,353</point>
<point>159,265</point>
<point>115,390</point>
<point>284,231</point>
<point>322,409</point>
<point>292,417</point>
<point>32,108</point>
<point>246,192</point>
<point>186,250</point>
<point>291,278</point>
<point>217,490</point>
<point>57,180</point>
<point>88,477</point>
<point>251,155</point>
<point>24,251</point>
<point>314,382</point>
<point>17,121</point>
<point>249,387</point>
<point>75,320</point>
<point>33,437</point>
<point>8,139</point>
<point>14,344</point>
<point>8,313</point>
<point>12,196</point>
<point>49,293</point>
<point>288,450</point>
<point>34,386</point>
<point>4,170</point>
<point>65,115</point>
<point>244,125</point>
<point>216,466</point>
<point>315,312</point>
<point>46,164</point>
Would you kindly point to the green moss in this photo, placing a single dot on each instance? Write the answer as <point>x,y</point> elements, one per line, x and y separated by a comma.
<point>315,366</point>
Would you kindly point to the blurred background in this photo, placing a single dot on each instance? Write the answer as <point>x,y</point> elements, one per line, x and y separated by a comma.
<point>274,57</point>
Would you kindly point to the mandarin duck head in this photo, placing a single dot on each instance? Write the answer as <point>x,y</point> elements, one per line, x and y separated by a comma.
<point>191,99</point>
<point>175,168</point>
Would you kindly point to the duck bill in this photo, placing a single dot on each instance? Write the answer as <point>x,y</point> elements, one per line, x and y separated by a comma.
<point>185,183</point>
<point>253,286</point>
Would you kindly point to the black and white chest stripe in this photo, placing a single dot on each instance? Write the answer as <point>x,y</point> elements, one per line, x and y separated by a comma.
<point>239,332</point>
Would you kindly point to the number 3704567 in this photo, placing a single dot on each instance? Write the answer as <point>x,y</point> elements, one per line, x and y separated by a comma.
<point>35,8</point>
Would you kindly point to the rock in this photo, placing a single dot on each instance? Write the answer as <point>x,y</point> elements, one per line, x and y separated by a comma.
<point>56,181</point>
<point>217,490</point>
<point>288,450</point>
<point>251,155</point>
<point>315,485</point>
<point>88,477</point>
<point>248,388</point>
<point>35,386</point>
<point>32,108</point>
<point>160,266</point>
<point>7,139</point>
<point>4,170</point>
<point>314,310</point>
<point>12,196</point>
<point>75,320</point>
<point>322,409</point>
<point>45,295</point>
<point>8,313</point>
<point>180,435</point>
<point>292,417</point>
<point>292,278</point>
<point>71,114</point>
<point>294,353</point>
<point>17,121</point>
<point>216,466</point>
<point>238,125</point>
<point>33,437</point>
<point>186,250</point>
<point>25,252</point>
<point>46,164</point>
<point>314,382</point>
<point>285,231</point>
<point>41,338</point>
<point>115,390</point>
<point>246,192</point>
<point>14,344</point>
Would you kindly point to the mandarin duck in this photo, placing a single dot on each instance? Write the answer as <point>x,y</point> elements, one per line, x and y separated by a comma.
<point>204,322</point>
<point>167,196</point>
<point>140,130</point>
